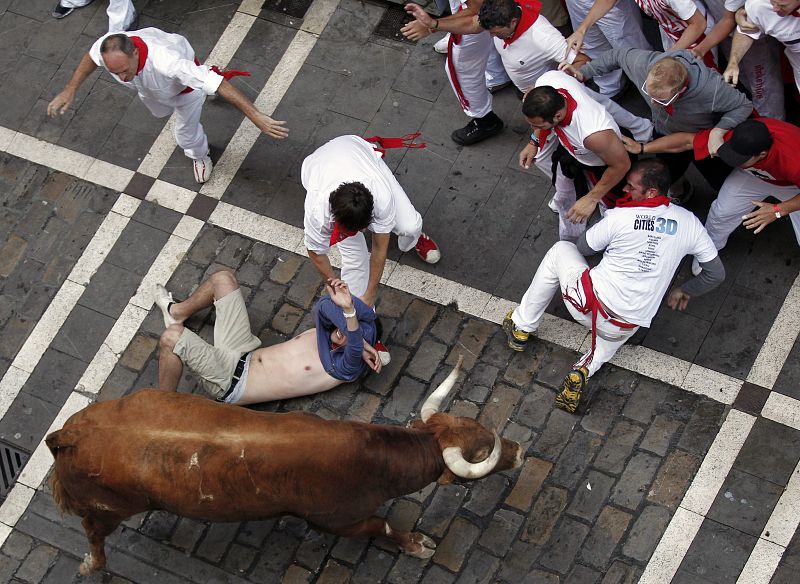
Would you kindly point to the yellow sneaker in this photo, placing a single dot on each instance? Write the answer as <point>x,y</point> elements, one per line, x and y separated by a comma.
<point>517,339</point>
<point>570,395</point>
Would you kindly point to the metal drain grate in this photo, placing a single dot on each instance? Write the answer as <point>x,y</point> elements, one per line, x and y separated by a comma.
<point>11,463</point>
<point>295,8</point>
<point>393,20</point>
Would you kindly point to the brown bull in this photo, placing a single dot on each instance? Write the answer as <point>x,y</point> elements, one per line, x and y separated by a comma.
<point>209,461</point>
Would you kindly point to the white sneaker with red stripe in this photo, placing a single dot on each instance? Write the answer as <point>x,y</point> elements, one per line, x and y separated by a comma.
<point>383,353</point>
<point>202,168</point>
<point>427,249</point>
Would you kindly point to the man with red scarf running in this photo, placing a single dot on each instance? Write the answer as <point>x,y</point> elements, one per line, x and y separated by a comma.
<point>644,238</point>
<point>163,69</point>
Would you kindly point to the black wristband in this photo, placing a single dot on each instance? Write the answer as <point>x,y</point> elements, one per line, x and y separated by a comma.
<point>641,148</point>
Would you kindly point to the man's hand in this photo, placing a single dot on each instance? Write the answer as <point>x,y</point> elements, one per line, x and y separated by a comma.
<point>731,73</point>
<point>527,155</point>
<point>420,27</point>
<point>270,127</point>
<point>582,209</point>
<point>716,137</point>
<point>571,70</point>
<point>574,43</point>
<point>678,299</point>
<point>60,103</point>
<point>371,358</point>
<point>340,293</point>
<point>631,145</point>
<point>745,25</point>
<point>760,218</point>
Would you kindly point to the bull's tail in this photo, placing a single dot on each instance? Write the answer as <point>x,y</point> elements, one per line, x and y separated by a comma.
<point>56,441</point>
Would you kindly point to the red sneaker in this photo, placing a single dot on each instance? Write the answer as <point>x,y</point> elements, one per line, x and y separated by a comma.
<point>427,249</point>
<point>383,353</point>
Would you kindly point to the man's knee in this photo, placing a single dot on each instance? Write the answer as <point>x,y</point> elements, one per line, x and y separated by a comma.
<point>223,282</point>
<point>169,338</point>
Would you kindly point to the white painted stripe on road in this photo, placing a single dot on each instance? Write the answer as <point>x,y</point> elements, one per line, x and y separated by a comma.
<point>718,462</point>
<point>672,548</point>
<point>779,342</point>
<point>785,518</point>
<point>50,155</point>
<point>17,500</point>
<point>318,15</point>
<point>761,564</point>
<point>713,384</point>
<point>686,521</point>
<point>170,196</point>
<point>6,136</point>
<point>782,409</point>
<point>650,363</point>
<point>439,290</point>
<point>258,227</point>
<point>108,175</point>
<point>276,87</point>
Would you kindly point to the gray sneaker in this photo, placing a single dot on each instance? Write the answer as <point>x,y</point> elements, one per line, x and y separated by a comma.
<point>163,299</point>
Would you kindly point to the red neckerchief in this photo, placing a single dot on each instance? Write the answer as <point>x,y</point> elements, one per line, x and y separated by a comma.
<point>571,107</point>
<point>670,109</point>
<point>626,201</point>
<point>340,233</point>
<point>529,12</point>
<point>140,44</point>
<point>795,13</point>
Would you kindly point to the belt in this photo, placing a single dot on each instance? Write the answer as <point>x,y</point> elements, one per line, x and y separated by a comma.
<point>792,42</point>
<point>237,375</point>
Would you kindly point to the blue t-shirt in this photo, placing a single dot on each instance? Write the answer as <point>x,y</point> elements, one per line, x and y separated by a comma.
<point>343,363</point>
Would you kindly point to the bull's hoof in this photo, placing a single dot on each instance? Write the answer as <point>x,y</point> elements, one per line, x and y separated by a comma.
<point>88,565</point>
<point>422,546</point>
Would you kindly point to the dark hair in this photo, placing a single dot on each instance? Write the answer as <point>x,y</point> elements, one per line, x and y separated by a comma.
<point>654,175</point>
<point>543,102</point>
<point>351,206</point>
<point>498,13</point>
<point>117,42</point>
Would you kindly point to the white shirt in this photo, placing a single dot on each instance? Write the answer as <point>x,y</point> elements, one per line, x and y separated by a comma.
<point>588,118</point>
<point>169,68</point>
<point>538,50</point>
<point>343,160</point>
<point>784,28</point>
<point>643,247</point>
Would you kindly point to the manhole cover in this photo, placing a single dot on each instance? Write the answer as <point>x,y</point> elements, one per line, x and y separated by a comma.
<point>295,8</point>
<point>393,20</point>
<point>11,462</point>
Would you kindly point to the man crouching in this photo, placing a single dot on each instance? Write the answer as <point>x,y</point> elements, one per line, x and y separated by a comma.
<point>235,370</point>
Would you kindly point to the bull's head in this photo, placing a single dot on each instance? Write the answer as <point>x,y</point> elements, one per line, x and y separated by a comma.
<point>470,451</point>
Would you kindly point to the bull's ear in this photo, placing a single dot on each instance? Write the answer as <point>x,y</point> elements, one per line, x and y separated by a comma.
<point>446,478</point>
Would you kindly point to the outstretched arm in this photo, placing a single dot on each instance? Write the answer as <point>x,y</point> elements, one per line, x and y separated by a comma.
<point>598,11</point>
<point>464,22</point>
<point>716,35</point>
<point>63,100</point>
<point>262,121</point>
<point>696,26</point>
<point>741,44</point>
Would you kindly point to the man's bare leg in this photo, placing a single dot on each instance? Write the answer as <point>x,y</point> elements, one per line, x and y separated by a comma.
<point>170,367</point>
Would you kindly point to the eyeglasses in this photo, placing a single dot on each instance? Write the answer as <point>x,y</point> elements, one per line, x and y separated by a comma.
<point>658,101</point>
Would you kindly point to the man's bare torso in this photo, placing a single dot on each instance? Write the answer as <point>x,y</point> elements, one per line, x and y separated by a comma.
<point>286,370</point>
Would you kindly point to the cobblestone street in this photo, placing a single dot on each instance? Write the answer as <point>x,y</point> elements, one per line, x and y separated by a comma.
<point>685,469</point>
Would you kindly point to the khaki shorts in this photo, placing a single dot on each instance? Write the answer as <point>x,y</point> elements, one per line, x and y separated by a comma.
<point>215,364</point>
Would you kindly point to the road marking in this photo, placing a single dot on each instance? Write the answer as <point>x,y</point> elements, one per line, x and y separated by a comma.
<point>689,516</point>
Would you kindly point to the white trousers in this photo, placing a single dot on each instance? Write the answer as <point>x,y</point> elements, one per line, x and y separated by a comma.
<point>560,271</point>
<point>355,255</point>
<point>495,71</point>
<point>120,12</point>
<point>188,130</point>
<point>469,59</point>
<point>734,200</point>
<point>620,28</point>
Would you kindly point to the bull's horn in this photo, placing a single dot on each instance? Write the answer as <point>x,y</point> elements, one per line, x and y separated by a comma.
<point>434,401</point>
<point>459,466</point>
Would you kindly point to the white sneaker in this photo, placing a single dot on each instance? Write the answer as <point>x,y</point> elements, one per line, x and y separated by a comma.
<point>163,298</point>
<point>383,353</point>
<point>441,45</point>
<point>551,204</point>
<point>202,168</point>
